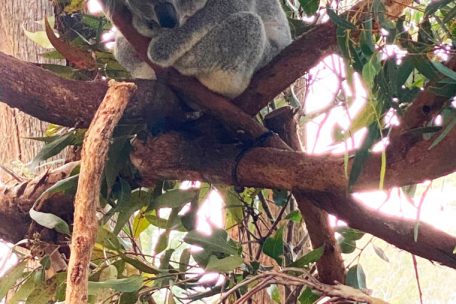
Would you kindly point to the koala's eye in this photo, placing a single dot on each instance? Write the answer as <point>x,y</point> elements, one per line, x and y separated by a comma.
<point>166,15</point>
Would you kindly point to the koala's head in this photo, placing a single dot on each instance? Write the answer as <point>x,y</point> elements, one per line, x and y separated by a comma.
<point>165,13</point>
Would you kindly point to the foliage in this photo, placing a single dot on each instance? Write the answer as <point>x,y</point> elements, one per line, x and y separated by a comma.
<point>128,267</point>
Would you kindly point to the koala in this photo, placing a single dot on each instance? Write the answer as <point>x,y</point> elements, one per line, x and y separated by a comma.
<point>220,42</point>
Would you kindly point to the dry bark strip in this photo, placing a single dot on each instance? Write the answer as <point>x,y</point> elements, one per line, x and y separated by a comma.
<point>94,152</point>
<point>331,265</point>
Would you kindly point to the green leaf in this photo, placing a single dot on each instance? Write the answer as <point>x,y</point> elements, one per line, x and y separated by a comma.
<point>340,22</point>
<point>130,284</point>
<point>295,216</point>
<point>162,242</point>
<point>347,246</point>
<point>129,298</point>
<point>350,233</point>
<point>309,258</point>
<point>310,7</point>
<point>126,208</point>
<point>273,246</point>
<point>363,154</point>
<point>39,38</point>
<point>42,293</point>
<point>118,157</point>
<point>8,280</point>
<point>366,39</point>
<point>274,293</point>
<point>141,266</point>
<point>371,69</point>
<point>356,277</point>
<point>50,221</point>
<point>444,70</point>
<point>380,253</point>
<point>444,133</point>
<point>68,185</point>
<point>450,15</point>
<point>216,242</point>
<point>184,260</point>
<point>434,6</point>
<point>53,148</point>
<point>174,198</point>
<point>404,71</point>
<point>226,264</point>
<point>108,239</point>
<point>140,224</point>
<point>280,197</point>
<point>23,291</point>
<point>234,207</point>
<point>425,67</point>
<point>308,297</point>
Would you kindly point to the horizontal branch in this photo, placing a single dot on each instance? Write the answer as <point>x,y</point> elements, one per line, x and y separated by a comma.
<point>172,156</point>
<point>51,98</point>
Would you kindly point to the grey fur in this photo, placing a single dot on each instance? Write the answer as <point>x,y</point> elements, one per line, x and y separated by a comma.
<point>220,42</point>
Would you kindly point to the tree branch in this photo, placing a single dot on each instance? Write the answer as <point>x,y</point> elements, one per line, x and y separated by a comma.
<point>331,265</point>
<point>70,103</point>
<point>85,225</point>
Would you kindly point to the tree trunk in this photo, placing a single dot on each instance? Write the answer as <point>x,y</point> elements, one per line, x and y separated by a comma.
<point>15,126</point>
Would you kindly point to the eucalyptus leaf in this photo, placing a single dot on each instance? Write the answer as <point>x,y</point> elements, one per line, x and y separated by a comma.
<point>174,198</point>
<point>308,258</point>
<point>274,246</point>
<point>50,221</point>
<point>308,297</point>
<point>356,277</point>
<point>339,21</point>
<point>216,242</point>
<point>224,264</point>
<point>8,280</point>
<point>130,284</point>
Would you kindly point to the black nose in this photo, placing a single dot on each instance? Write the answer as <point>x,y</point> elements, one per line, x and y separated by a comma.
<point>166,15</point>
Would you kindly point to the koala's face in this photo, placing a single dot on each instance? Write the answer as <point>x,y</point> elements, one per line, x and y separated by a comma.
<point>165,13</point>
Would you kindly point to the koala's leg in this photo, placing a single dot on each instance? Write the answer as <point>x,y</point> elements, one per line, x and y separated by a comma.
<point>126,55</point>
<point>226,58</point>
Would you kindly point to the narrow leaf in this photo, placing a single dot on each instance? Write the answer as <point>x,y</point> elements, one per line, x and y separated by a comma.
<point>50,221</point>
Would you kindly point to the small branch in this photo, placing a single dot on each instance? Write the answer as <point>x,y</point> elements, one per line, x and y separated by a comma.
<point>331,265</point>
<point>94,152</point>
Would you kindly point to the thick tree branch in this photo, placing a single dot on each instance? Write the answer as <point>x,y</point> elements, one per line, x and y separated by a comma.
<point>432,243</point>
<point>176,157</point>
<point>54,99</point>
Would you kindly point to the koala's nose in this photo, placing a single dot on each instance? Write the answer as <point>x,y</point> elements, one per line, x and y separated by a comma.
<point>166,15</point>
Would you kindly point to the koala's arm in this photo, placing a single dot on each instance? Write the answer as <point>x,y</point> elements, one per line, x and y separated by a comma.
<point>171,44</point>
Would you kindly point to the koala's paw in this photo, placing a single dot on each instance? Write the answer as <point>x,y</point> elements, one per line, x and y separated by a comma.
<point>159,53</point>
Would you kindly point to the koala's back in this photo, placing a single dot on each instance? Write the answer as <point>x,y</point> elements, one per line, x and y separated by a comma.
<point>220,42</point>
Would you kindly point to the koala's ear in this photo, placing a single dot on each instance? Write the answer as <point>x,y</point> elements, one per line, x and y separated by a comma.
<point>166,15</point>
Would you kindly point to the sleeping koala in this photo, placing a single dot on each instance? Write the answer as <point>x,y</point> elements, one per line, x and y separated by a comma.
<point>220,42</point>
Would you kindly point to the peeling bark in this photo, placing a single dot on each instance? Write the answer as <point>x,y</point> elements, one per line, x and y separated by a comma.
<point>94,153</point>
